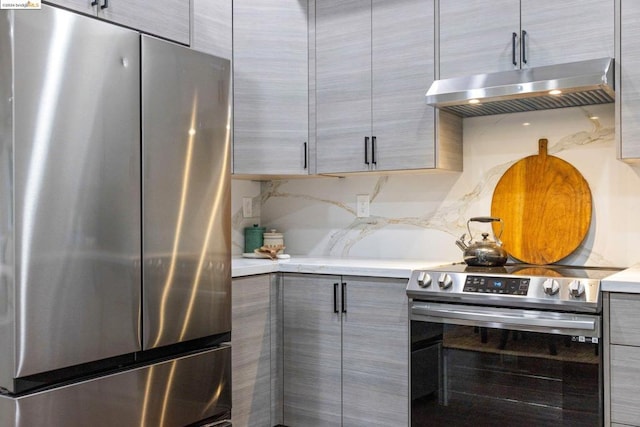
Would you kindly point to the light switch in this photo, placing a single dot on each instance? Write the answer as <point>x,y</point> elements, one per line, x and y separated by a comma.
<point>247,207</point>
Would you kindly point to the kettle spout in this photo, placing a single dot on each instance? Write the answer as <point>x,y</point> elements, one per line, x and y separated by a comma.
<point>461,244</point>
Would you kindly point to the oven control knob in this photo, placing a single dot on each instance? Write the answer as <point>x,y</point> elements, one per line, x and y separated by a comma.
<point>576,288</point>
<point>551,286</point>
<point>424,279</point>
<point>445,281</point>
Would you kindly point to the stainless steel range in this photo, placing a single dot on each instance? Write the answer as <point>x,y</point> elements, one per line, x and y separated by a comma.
<point>504,345</point>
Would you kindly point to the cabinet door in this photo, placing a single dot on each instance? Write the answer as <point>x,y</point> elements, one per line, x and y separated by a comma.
<point>476,36</point>
<point>211,27</point>
<point>169,19</point>
<point>271,110</point>
<point>567,31</point>
<point>251,356</point>
<point>312,350</point>
<point>625,388</point>
<point>628,84</point>
<point>83,6</point>
<point>623,319</point>
<point>403,70</point>
<point>343,84</point>
<point>375,355</point>
<point>165,18</point>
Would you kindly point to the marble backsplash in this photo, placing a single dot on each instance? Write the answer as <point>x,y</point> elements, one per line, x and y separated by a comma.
<point>419,216</point>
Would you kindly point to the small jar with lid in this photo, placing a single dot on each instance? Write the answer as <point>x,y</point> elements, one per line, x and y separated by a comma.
<point>273,239</point>
<point>253,238</point>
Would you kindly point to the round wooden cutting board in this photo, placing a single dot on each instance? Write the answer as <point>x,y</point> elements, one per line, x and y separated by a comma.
<point>545,204</point>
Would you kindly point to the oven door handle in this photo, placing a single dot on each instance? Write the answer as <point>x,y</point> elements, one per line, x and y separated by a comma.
<point>518,319</point>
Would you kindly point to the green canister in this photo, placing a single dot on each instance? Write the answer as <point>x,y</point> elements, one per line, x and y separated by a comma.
<point>253,238</point>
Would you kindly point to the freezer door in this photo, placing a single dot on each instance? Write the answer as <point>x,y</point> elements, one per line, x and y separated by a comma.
<point>76,190</point>
<point>186,194</point>
<point>172,393</point>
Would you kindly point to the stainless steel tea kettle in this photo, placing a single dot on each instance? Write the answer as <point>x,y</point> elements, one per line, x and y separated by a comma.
<point>486,252</point>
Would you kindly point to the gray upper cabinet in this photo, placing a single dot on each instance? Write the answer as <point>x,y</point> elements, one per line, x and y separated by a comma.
<point>374,63</point>
<point>476,36</point>
<point>512,34</point>
<point>271,84</point>
<point>402,70</point>
<point>628,82</point>
<point>169,19</point>
<point>343,85</point>
<point>567,31</point>
<point>211,27</point>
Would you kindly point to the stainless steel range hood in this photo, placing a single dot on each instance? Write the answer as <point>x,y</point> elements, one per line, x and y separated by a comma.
<point>580,83</point>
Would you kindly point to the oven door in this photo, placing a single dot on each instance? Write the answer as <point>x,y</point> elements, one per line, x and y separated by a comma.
<point>507,367</point>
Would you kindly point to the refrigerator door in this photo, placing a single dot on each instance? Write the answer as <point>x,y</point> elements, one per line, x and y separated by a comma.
<point>186,194</point>
<point>76,190</point>
<point>176,392</point>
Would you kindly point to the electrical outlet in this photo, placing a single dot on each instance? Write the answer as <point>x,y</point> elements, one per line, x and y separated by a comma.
<point>362,205</point>
<point>247,207</point>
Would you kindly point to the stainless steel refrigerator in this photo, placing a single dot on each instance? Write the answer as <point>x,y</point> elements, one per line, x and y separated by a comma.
<point>115,252</point>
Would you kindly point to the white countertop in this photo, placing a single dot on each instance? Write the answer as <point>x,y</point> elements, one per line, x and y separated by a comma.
<point>624,281</point>
<point>393,268</point>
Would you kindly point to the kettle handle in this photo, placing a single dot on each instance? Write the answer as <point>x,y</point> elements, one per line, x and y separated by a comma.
<point>484,219</point>
<point>487,219</point>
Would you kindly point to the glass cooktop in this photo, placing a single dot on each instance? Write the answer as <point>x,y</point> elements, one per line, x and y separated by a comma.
<point>518,269</point>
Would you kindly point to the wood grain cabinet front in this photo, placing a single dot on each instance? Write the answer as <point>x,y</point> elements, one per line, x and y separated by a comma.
<point>271,87</point>
<point>346,351</point>
<point>168,19</point>
<point>624,358</point>
<point>628,81</point>
<point>374,64</point>
<point>514,34</point>
<point>255,351</point>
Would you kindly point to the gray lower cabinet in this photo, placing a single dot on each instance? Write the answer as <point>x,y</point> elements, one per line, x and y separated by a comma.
<point>169,19</point>
<point>255,363</point>
<point>271,87</point>
<point>513,34</point>
<point>624,358</point>
<point>628,81</point>
<point>346,350</point>
<point>374,63</point>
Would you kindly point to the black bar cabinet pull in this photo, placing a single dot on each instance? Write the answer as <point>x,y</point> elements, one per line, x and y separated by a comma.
<point>105,4</point>
<point>305,155</point>
<point>514,37</point>
<point>373,150</point>
<point>366,150</point>
<point>523,40</point>
<point>344,297</point>
<point>335,298</point>
<point>94,3</point>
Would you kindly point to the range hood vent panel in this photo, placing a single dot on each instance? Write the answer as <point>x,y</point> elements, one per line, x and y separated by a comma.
<point>582,83</point>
